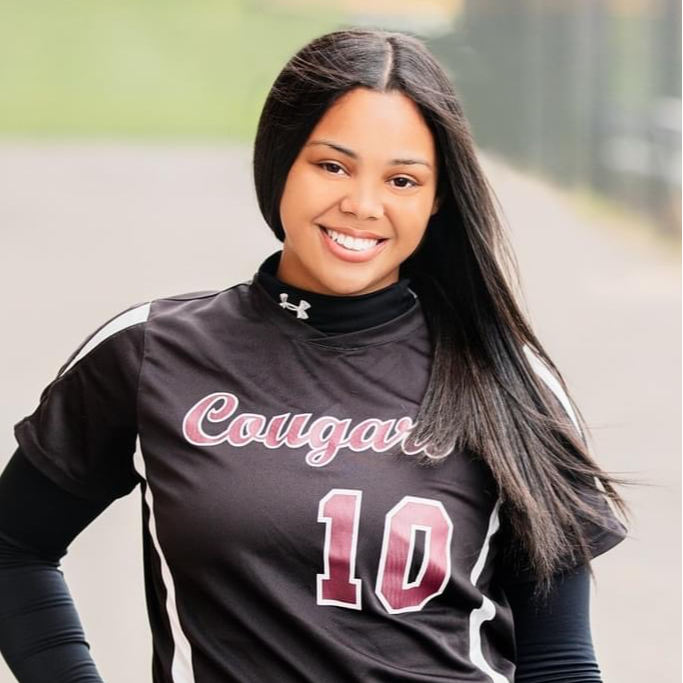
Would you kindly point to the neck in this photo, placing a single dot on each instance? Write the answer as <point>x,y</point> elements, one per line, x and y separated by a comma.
<point>332,314</point>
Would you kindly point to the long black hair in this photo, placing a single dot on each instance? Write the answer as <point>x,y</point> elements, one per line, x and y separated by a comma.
<point>484,395</point>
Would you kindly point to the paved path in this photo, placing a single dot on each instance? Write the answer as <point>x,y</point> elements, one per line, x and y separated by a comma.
<point>88,230</point>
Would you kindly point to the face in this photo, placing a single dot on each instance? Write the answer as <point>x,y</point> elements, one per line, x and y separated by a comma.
<point>368,173</point>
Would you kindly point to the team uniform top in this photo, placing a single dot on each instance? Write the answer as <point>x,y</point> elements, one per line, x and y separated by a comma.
<point>283,539</point>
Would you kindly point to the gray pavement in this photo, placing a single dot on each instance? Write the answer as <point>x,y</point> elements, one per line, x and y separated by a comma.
<point>86,230</point>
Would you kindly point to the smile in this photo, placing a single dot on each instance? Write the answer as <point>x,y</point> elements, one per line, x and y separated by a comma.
<point>347,248</point>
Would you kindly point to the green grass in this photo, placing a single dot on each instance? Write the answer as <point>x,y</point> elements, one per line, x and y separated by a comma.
<point>144,68</point>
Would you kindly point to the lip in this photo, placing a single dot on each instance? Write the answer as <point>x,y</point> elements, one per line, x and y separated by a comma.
<point>348,255</point>
<point>362,234</point>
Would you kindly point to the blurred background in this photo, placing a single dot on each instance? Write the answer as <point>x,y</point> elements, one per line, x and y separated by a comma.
<point>125,174</point>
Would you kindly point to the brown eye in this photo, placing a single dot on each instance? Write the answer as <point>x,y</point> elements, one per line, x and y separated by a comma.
<point>412,182</point>
<point>327,164</point>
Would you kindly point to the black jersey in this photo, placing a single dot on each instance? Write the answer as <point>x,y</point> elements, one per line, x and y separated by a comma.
<point>283,538</point>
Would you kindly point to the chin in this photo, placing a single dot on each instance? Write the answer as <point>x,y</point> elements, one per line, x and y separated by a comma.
<point>351,286</point>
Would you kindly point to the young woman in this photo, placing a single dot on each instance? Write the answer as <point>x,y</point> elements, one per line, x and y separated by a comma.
<point>360,465</point>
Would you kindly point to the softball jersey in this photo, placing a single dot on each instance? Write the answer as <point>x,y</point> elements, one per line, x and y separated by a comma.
<point>284,540</point>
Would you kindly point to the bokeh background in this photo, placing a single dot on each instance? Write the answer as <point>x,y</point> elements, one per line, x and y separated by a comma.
<point>125,150</point>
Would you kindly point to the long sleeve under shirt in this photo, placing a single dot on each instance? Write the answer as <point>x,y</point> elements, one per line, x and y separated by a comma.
<point>41,636</point>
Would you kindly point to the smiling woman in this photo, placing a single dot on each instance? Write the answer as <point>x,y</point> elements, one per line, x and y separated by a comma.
<point>360,465</point>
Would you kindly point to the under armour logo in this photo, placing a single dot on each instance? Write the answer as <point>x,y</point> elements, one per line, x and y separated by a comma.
<point>300,309</point>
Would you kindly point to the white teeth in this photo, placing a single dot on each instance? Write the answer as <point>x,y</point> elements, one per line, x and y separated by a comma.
<point>353,243</point>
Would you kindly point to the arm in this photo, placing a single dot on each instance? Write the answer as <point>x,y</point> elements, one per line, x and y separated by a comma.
<point>41,636</point>
<point>554,643</point>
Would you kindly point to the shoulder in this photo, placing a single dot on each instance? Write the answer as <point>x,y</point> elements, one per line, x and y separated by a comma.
<point>197,303</point>
<point>551,379</point>
<point>120,338</point>
<point>121,331</point>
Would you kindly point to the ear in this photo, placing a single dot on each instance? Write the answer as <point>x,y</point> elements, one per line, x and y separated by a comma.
<point>436,206</point>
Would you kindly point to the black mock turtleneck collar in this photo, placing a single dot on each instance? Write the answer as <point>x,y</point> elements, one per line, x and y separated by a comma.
<point>336,314</point>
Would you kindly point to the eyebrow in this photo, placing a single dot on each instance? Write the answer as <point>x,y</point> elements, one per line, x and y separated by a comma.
<point>353,155</point>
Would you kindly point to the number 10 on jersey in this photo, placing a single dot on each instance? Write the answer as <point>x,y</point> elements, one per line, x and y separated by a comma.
<point>338,585</point>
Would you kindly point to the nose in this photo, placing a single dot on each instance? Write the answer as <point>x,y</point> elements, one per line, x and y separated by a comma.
<point>363,202</point>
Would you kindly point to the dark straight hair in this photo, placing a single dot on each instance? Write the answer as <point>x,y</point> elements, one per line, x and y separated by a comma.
<point>484,395</point>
